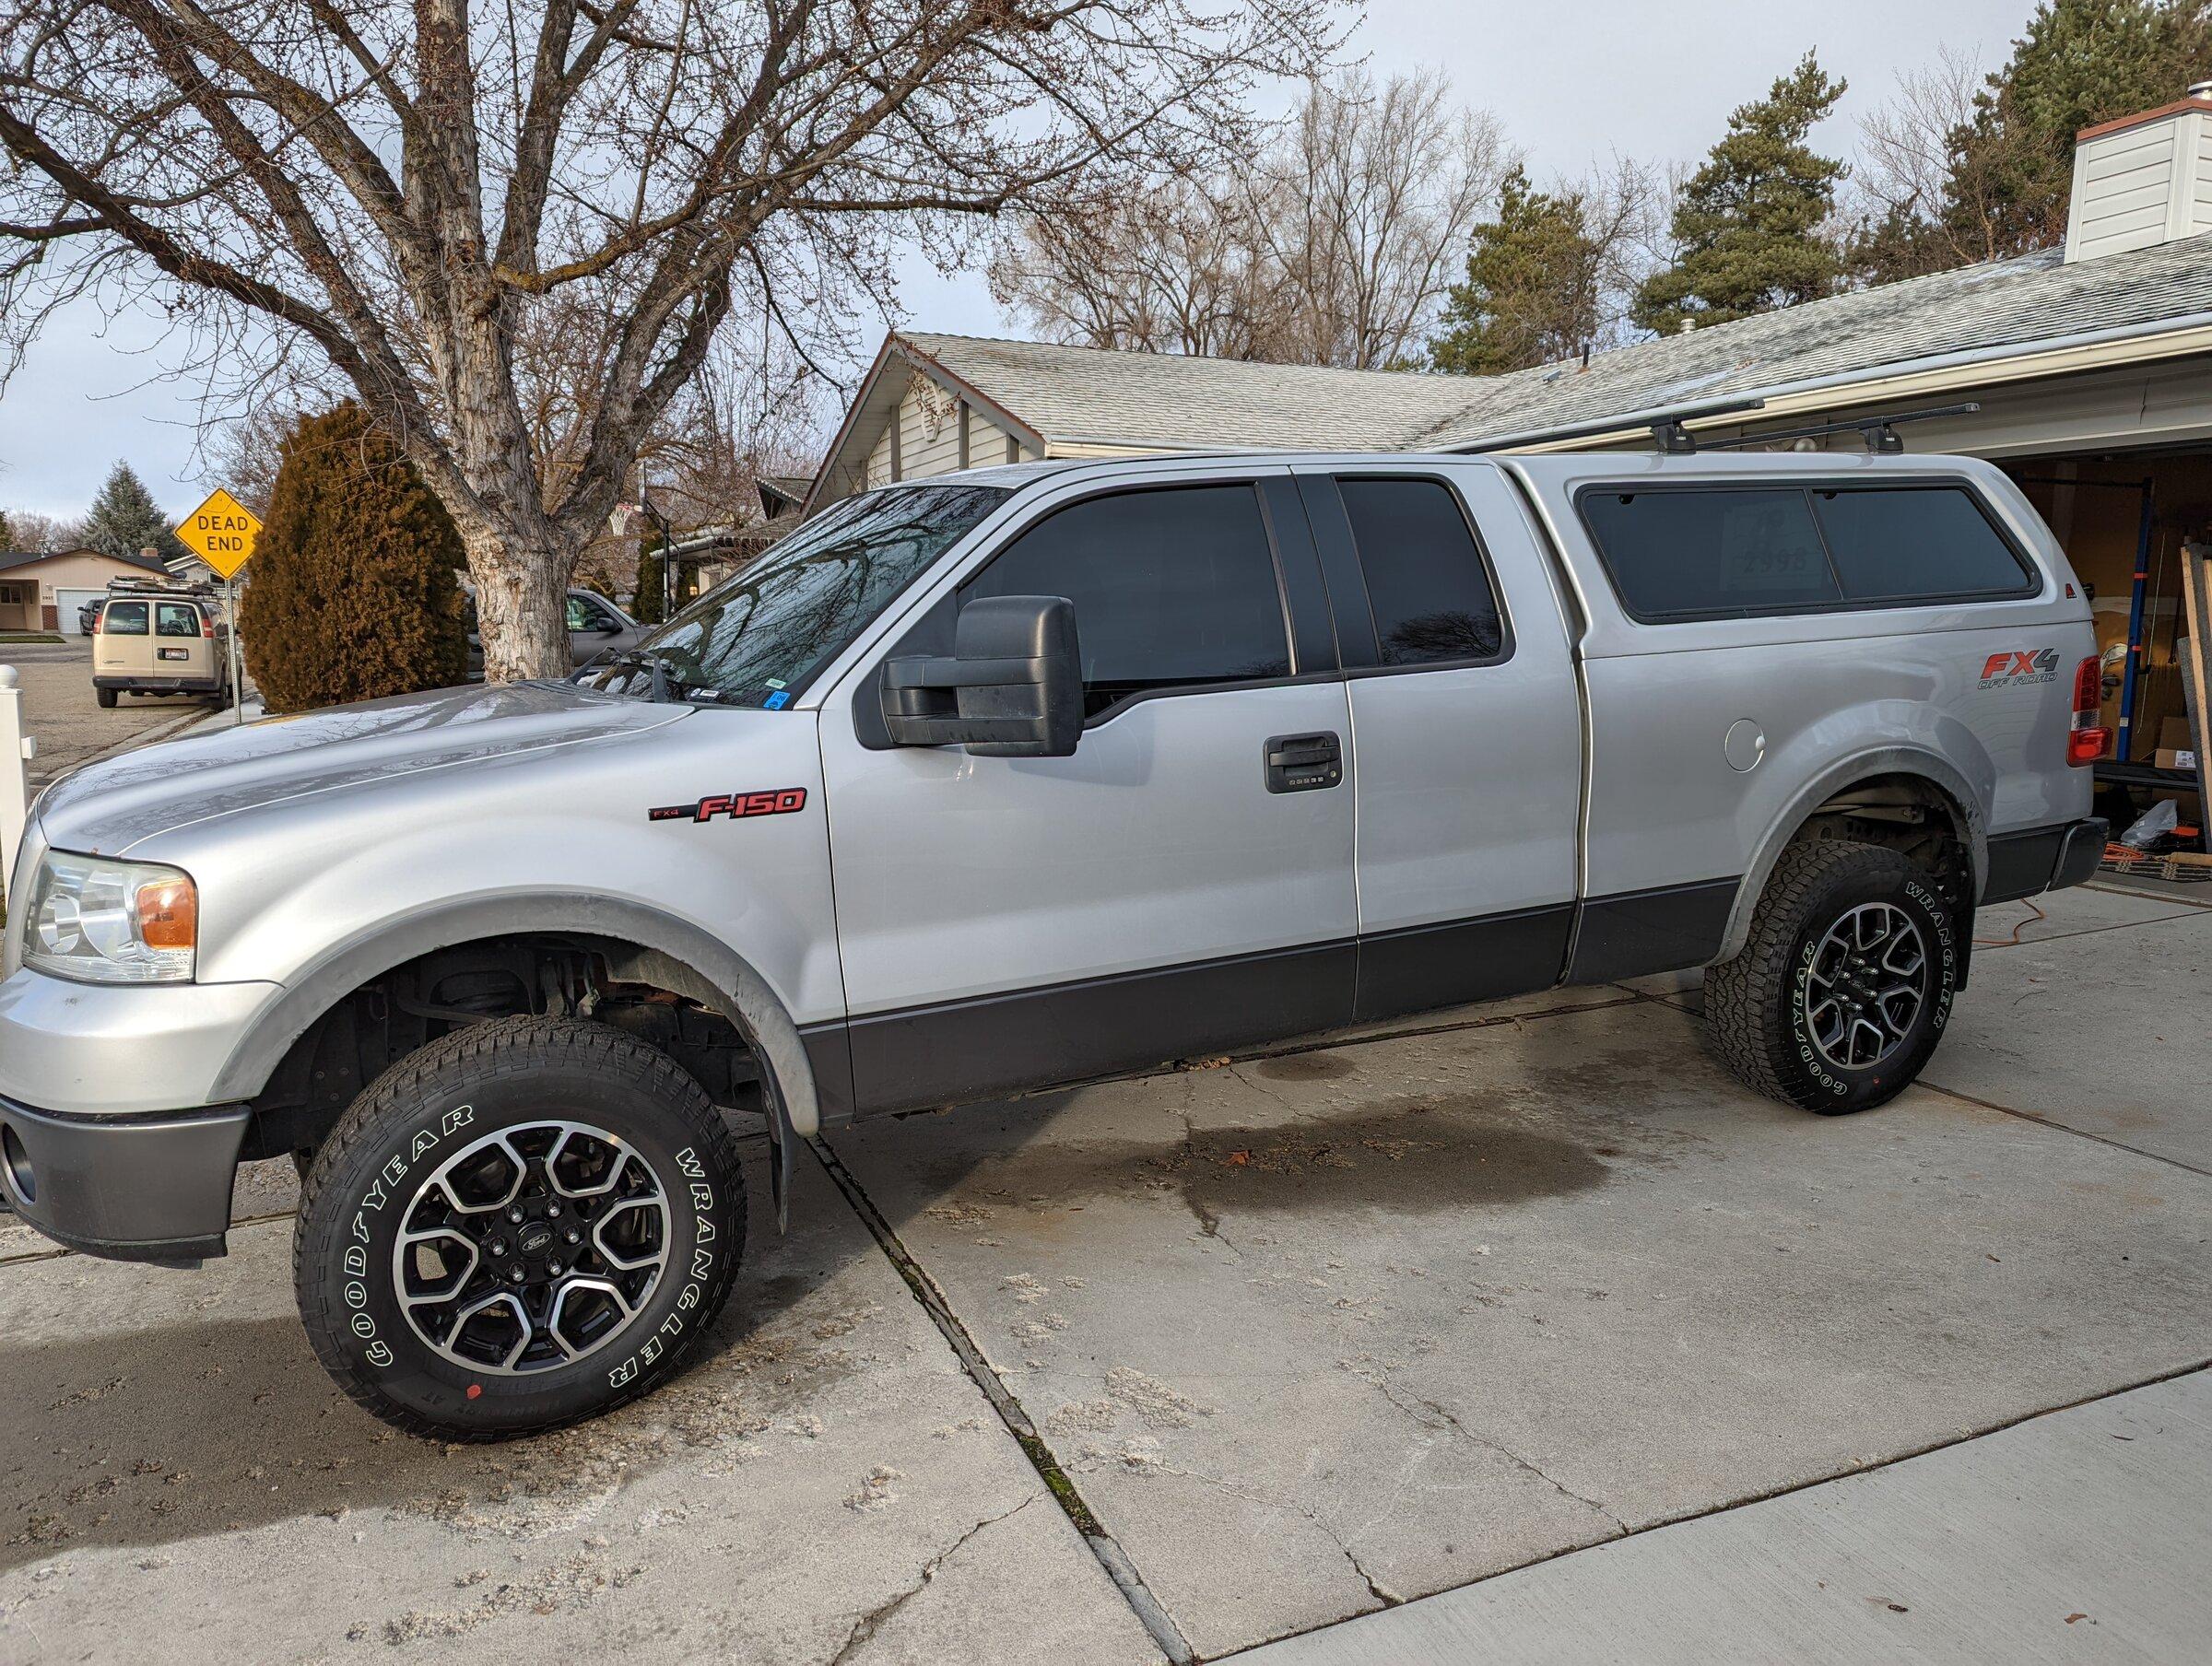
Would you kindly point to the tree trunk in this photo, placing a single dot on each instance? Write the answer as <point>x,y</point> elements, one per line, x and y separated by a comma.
<point>522,606</point>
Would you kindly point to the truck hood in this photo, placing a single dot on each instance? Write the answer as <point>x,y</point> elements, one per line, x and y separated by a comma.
<point>105,808</point>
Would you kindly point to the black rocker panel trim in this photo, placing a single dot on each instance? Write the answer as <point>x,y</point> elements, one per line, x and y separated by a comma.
<point>924,1056</point>
<point>1074,1032</point>
<point>829,1056</point>
<point>1462,960</point>
<point>1638,932</point>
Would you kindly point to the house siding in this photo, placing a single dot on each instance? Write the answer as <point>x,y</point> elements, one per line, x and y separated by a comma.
<point>70,570</point>
<point>928,428</point>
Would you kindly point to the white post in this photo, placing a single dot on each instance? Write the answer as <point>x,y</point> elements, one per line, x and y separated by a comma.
<point>237,693</point>
<point>15,751</point>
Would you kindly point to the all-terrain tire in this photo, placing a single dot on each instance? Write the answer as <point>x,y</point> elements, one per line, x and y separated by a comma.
<point>1767,1012</point>
<point>469,1107</point>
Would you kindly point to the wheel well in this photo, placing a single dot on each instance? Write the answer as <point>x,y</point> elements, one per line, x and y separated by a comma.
<point>1910,814</point>
<point>640,991</point>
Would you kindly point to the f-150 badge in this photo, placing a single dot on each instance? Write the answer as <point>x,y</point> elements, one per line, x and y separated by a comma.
<point>782,801</point>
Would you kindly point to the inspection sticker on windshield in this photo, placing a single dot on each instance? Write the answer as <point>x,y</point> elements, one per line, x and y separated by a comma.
<point>736,805</point>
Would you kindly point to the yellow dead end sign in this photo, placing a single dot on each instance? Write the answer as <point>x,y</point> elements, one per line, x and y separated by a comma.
<point>221,532</point>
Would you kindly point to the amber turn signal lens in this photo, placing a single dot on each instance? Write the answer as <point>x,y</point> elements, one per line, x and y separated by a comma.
<point>168,914</point>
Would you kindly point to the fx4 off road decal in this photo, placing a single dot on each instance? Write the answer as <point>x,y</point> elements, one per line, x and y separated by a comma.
<point>2015,668</point>
<point>782,801</point>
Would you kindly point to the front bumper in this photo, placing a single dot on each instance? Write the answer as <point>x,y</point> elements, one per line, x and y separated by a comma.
<point>122,1049</point>
<point>135,1189</point>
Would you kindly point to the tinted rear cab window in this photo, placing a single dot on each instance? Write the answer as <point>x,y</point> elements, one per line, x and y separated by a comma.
<point>1427,584</point>
<point>122,620</point>
<point>1735,552</point>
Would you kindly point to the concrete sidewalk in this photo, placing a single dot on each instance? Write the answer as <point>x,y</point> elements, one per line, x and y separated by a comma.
<point>2079,1535</point>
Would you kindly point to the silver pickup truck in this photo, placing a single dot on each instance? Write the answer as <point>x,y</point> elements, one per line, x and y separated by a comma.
<point>1011,779</point>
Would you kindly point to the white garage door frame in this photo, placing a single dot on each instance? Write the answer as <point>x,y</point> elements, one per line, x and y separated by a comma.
<point>66,602</point>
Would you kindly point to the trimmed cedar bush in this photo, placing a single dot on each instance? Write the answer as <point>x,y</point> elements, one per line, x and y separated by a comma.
<point>352,594</point>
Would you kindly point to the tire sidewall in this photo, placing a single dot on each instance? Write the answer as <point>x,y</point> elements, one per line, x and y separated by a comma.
<point>354,1208</point>
<point>1884,877</point>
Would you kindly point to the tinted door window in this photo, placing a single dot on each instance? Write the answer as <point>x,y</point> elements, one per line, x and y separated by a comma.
<point>1916,544</point>
<point>1425,581</point>
<point>1707,555</point>
<point>1173,589</point>
<point>176,619</point>
<point>583,615</point>
<point>124,620</point>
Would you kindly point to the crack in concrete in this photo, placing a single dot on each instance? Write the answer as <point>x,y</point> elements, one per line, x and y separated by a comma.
<point>1381,1593</point>
<point>1382,1385</point>
<point>1012,1414</point>
<point>1210,1224</point>
<point>865,1627</point>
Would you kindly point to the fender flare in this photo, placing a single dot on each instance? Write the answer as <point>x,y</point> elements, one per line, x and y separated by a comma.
<point>673,950</point>
<point>1967,822</point>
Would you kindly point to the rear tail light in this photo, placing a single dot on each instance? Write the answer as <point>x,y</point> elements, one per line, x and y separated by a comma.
<point>2085,739</point>
<point>207,626</point>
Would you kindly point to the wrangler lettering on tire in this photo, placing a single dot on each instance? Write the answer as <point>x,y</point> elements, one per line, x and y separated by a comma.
<point>1843,989</point>
<point>523,1223</point>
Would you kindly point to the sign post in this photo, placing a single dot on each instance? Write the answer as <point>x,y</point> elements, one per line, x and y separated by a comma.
<point>221,532</point>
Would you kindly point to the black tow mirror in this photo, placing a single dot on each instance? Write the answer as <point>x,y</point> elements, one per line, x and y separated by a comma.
<point>1013,686</point>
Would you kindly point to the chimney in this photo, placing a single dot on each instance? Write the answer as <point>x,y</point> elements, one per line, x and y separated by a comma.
<point>2143,180</point>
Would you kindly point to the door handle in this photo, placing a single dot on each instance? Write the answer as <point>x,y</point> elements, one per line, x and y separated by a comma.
<point>1304,763</point>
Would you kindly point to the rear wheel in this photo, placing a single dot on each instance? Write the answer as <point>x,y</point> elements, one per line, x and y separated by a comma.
<point>106,697</point>
<point>525,1224</point>
<point>1841,991</point>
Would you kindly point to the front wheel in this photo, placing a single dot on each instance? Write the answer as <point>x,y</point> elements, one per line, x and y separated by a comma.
<point>522,1224</point>
<point>1841,991</point>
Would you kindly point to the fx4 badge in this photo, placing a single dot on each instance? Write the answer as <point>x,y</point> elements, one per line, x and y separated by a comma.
<point>2014,669</point>
<point>782,801</point>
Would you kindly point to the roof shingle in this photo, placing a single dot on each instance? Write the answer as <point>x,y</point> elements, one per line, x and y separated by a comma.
<point>1075,394</point>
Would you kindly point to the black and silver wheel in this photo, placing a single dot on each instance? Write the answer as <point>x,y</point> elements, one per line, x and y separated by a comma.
<point>522,1224</point>
<point>1842,991</point>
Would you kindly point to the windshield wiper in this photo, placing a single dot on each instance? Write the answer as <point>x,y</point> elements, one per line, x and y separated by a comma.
<point>668,688</point>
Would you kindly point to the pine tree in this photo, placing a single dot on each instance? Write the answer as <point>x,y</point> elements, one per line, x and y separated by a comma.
<point>1531,294</point>
<point>1749,224</point>
<point>7,535</point>
<point>125,518</point>
<point>2080,62</point>
<point>353,594</point>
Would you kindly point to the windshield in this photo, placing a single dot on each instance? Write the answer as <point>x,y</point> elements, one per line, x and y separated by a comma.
<point>759,638</point>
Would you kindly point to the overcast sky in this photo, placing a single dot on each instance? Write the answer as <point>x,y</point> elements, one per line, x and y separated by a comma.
<point>1572,80</point>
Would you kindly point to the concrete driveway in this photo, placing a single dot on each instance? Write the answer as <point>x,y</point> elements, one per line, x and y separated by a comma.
<point>1174,1366</point>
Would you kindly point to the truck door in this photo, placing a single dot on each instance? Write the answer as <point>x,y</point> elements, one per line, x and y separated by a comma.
<point>1183,882</point>
<point>1466,727</point>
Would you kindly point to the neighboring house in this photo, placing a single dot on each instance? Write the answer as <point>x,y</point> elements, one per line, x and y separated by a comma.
<point>44,592</point>
<point>713,553</point>
<point>2091,364</point>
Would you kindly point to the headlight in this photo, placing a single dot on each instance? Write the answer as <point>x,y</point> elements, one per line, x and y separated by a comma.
<point>102,921</point>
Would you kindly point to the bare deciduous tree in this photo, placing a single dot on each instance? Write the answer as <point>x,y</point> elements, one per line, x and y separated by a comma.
<point>1366,207</point>
<point>1920,201</point>
<point>514,234</point>
<point>1332,245</point>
